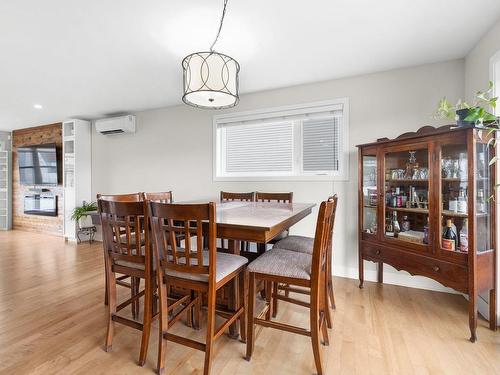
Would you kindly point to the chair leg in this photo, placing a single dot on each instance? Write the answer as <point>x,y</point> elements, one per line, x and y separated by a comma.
<point>146,328</point>
<point>275,300</point>
<point>287,292</point>
<point>111,293</point>
<point>330,290</point>
<point>269,299</point>
<point>210,331</point>
<point>250,316</point>
<point>132,293</point>
<point>106,299</point>
<point>325,298</point>
<point>162,341</point>
<point>242,282</point>
<point>315,339</point>
<point>196,310</point>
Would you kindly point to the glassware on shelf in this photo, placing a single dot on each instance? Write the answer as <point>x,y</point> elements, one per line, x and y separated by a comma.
<point>462,166</point>
<point>370,195</point>
<point>481,203</point>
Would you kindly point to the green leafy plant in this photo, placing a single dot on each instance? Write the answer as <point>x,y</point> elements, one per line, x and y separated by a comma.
<point>479,112</point>
<point>83,210</point>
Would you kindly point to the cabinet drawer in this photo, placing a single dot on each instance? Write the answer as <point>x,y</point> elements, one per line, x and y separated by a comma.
<point>449,274</point>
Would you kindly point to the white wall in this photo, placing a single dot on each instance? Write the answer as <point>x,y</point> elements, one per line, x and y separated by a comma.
<point>172,148</point>
<point>477,62</point>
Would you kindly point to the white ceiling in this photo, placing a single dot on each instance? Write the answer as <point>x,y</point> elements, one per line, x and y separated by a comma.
<point>90,58</point>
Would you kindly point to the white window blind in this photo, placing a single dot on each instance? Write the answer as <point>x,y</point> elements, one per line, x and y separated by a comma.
<point>320,144</point>
<point>300,142</point>
<point>264,147</point>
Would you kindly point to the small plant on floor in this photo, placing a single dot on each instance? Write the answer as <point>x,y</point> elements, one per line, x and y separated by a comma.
<point>477,114</point>
<point>83,210</point>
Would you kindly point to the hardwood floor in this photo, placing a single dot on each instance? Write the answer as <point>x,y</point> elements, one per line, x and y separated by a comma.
<point>52,321</point>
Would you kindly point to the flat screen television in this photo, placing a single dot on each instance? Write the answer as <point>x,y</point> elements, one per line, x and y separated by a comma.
<point>38,164</point>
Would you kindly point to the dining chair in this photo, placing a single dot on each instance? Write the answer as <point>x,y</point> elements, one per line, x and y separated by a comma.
<point>121,280</point>
<point>226,196</point>
<point>167,197</point>
<point>297,269</point>
<point>277,198</point>
<point>303,244</point>
<point>204,271</point>
<point>127,252</point>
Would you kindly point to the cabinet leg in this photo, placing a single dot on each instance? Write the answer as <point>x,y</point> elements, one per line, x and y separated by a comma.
<point>473,317</point>
<point>380,272</point>
<point>493,309</point>
<point>361,273</point>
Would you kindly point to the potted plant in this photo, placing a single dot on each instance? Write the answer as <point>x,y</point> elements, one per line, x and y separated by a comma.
<point>476,114</point>
<point>80,214</point>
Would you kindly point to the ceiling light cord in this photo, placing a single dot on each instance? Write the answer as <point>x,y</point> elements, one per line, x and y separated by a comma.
<point>220,26</point>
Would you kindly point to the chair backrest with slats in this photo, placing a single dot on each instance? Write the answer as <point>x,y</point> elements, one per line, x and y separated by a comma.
<point>242,197</point>
<point>274,197</point>
<point>132,197</point>
<point>322,241</point>
<point>123,226</point>
<point>163,197</point>
<point>171,220</point>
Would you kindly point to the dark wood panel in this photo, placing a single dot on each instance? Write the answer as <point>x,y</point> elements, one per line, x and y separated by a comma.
<point>449,274</point>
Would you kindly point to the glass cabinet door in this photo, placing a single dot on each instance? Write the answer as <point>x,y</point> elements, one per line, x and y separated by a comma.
<point>454,208</point>
<point>406,203</point>
<point>370,194</point>
<point>484,190</point>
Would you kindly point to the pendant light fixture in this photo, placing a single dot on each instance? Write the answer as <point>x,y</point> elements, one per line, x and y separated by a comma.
<point>211,78</point>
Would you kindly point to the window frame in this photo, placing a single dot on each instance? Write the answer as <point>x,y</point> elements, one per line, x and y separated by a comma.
<point>297,155</point>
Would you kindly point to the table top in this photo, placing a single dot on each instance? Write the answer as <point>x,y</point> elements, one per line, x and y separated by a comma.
<point>258,215</point>
<point>256,221</point>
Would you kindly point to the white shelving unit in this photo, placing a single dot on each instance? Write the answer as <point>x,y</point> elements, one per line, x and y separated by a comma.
<point>77,166</point>
<point>5,190</point>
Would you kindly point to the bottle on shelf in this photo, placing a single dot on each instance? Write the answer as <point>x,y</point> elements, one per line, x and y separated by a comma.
<point>395,223</point>
<point>464,237</point>
<point>389,230</point>
<point>405,225</point>
<point>449,240</point>
<point>426,232</point>
<point>462,202</point>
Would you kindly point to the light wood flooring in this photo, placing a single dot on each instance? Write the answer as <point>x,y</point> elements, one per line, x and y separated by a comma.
<point>52,321</point>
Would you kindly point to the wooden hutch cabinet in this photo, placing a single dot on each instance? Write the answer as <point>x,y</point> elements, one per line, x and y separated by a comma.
<point>415,186</point>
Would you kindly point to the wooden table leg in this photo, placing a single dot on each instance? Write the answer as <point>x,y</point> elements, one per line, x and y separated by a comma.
<point>234,248</point>
<point>380,273</point>
<point>261,249</point>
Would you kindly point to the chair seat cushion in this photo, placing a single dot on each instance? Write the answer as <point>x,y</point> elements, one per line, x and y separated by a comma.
<point>281,262</point>
<point>226,264</point>
<point>300,244</point>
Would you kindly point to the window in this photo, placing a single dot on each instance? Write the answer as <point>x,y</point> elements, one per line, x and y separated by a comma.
<point>306,142</point>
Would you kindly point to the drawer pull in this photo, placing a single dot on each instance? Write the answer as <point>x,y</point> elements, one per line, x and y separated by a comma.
<point>377,252</point>
<point>435,268</point>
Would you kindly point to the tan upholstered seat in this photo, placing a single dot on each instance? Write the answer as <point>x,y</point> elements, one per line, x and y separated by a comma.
<point>226,264</point>
<point>281,262</point>
<point>299,244</point>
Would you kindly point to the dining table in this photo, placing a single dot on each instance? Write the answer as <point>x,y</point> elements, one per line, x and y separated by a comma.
<point>254,222</point>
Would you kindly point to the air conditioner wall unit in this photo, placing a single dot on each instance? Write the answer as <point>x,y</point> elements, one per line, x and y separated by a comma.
<point>116,125</point>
